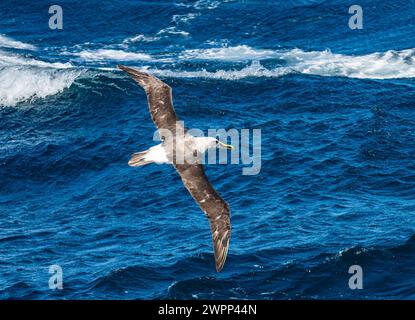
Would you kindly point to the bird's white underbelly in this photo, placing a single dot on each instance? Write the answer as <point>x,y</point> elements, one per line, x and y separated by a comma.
<point>157,154</point>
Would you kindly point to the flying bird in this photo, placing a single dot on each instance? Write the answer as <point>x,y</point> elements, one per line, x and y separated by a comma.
<point>189,167</point>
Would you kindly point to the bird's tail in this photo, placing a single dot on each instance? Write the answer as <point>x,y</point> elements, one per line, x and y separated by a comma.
<point>138,159</point>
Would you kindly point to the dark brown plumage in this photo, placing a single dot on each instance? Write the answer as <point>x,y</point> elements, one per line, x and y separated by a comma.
<point>159,96</point>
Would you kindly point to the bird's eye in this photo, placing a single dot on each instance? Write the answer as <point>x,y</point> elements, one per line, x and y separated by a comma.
<point>217,141</point>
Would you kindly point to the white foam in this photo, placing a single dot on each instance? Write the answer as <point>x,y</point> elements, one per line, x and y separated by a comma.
<point>255,69</point>
<point>22,84</point>
<point>387,65</point>
<point>237,53</point>
<point>23,79</point>
<point>173,31</point>
<point>7,42</point>
<point>206,4</point>
<point>176,19</point>
<point>163,33</point>
<point>184,18</point>
<point>8,59</point>
<point>109,54</point>
<point>141,38</point>
<point>166,32</point>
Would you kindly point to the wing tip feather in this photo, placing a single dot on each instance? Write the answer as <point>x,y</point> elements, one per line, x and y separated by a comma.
<point>133,72</point>
<point>221,253</point>
<point>144,79</point>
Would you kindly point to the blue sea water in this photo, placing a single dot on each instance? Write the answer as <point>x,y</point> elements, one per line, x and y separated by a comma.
<point>335,107</point>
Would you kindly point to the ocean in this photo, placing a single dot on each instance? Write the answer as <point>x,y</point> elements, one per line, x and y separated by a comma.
<point>335,107</point>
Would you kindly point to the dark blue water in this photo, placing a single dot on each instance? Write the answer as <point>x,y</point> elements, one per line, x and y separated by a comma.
<point>337,184</point>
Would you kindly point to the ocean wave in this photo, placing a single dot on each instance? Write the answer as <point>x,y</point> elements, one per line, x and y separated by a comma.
<point>184,18</point>
<point>141,38</point>
<point>259,277</point>
<point>207,4</point>
<point>387,65</point>
<point>379,65</point>
<point>162,34</point>
<point>300,279</point>
<point>165,32</point>
<point>23,79</point>
<point>255,69</point>
<point>237,53</point>
<point>110,54</point>
<point>7,42</point>
<point>19,84</point>
<point>9,59</point>
<point>173,31</point>
<point>177,19</point>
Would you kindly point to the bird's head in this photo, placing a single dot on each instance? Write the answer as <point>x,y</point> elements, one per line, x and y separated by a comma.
<point>220,144</point>
<point>212,143</point>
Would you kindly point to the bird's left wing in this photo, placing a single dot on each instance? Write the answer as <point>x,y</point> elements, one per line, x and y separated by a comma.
<point>159,96</point>
<point>211,203</point>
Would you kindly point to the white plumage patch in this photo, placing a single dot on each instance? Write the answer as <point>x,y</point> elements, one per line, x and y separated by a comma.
<point>157,154</point>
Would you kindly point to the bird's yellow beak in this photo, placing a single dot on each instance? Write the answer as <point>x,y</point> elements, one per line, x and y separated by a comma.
<point>226,146</point>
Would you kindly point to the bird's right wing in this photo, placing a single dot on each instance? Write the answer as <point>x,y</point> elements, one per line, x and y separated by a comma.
<point>216,209</point>
<point>159,96</point>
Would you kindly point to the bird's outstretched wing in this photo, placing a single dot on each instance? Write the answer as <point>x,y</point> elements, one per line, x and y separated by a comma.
<point>211,203</point>
<point>159,96</point>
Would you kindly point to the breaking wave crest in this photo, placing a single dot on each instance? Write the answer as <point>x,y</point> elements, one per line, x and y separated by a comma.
<point>387,65</point>
<point>237,53</point>
<point>255,69</point>
<point>23,79</point>
<point>7,42</point>
<point>110,54</point>
<point>19,84</point>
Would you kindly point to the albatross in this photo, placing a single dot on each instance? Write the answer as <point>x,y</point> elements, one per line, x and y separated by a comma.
<point>190,169</point>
